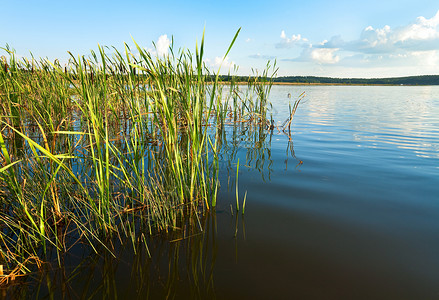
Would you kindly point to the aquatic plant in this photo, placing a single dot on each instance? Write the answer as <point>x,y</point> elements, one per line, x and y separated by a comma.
<point>122,145</point>
<point>101,275</point>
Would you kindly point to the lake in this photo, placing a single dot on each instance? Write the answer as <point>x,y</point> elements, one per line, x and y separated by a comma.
<point>346,207</point>
<point>359,218</point>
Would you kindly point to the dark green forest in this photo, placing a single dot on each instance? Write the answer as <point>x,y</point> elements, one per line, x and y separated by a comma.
<point>410,80</point>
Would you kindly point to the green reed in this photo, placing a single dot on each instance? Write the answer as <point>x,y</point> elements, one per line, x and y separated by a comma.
<point>112,145</point>
<point>99,275</point>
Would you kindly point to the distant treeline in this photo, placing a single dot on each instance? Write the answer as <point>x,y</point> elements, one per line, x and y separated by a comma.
<point>411,80</point>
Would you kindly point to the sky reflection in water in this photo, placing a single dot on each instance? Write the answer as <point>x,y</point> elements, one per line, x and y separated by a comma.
<point>348,208</point>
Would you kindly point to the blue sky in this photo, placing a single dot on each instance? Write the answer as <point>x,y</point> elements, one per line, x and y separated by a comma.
<point>322,38</point>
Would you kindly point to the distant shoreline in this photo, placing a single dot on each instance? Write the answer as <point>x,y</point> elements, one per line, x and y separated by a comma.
<point>393,81</point>
<point>347,84</point>
<point>422,80</point>
<point>333,84</point>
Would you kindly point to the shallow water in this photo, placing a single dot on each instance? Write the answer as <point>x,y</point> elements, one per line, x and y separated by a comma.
<point>347,207</point>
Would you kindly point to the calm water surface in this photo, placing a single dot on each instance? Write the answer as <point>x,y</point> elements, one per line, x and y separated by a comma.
<point>347,208</point>
<point>358,218</point>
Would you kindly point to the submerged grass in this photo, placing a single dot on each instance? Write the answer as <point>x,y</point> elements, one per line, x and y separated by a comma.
<point>122,145</point>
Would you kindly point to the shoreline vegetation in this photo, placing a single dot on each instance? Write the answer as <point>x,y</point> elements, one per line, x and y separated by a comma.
<point>116,147</point>
<point>315,80</point>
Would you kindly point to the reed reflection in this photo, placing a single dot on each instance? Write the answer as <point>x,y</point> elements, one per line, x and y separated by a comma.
<point>160,267</point>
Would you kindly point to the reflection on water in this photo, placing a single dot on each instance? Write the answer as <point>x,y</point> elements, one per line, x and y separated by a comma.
<point>346,207</point>
<point>401,116</point>
<point>178,264</point>
<point>358,217</point>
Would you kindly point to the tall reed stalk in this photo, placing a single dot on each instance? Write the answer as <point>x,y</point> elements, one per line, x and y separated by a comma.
<point>112,146</point>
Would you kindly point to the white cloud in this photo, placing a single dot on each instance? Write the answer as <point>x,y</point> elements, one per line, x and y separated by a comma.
<point>375,37</point>
<point>421,35</point>
<point>294,40</point>
<point>321,56</point>
<point>162,45</point>
<point>408,63</point>
<point>224,62</point>
<point>325,55</point>
<point>334,42</point>
<point>283,35</point>
<point>414,46</point>
<point>218,61</point>
<point>423,29</point>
